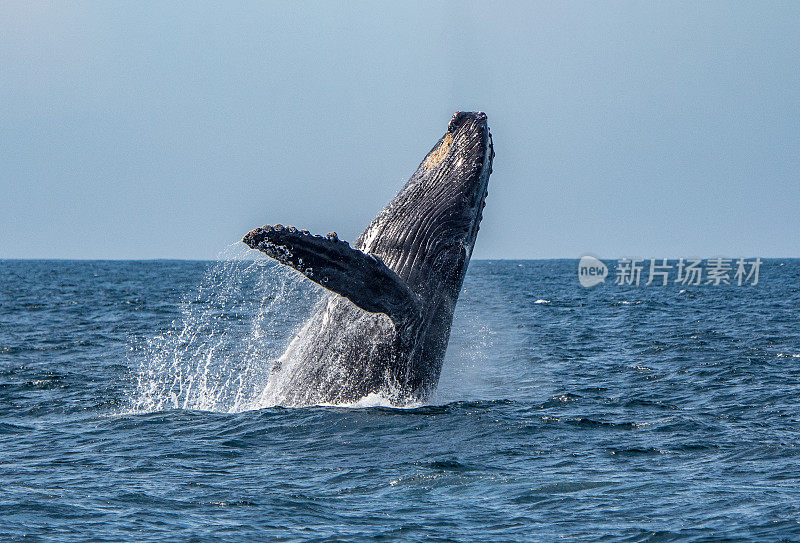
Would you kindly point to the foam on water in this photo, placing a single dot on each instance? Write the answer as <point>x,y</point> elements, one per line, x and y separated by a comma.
<point>374,399</point>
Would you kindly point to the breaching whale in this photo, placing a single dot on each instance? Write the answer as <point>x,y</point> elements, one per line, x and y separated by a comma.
<point>385,324</point>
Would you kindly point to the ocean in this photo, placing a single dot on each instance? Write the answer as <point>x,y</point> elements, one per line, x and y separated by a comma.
<point>131,410</point>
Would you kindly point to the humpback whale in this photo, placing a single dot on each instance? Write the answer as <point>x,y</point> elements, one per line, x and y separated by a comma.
<point>384,326</point>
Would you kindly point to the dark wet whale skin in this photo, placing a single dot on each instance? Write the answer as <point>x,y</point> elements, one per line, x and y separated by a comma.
<point>391,335</point>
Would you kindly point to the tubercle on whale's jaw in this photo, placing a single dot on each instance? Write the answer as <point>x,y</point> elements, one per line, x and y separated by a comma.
<point>483,192</point>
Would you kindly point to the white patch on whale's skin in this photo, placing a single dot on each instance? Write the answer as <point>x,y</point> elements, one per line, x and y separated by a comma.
<point>371,235</point>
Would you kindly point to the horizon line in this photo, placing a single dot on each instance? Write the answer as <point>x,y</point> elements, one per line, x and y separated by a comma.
<point>57,259</point>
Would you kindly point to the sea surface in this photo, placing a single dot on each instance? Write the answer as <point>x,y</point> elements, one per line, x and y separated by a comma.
<point>130,410</point>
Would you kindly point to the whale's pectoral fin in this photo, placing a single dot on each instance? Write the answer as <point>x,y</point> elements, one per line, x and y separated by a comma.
<point>362,278</point>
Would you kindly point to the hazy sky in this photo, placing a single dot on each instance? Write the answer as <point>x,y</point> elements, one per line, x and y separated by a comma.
<point>168,130</point>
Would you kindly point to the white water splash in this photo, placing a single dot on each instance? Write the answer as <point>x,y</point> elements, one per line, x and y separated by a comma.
<point>465,370</point>
<point>218,354</point>
<point>234,327</point>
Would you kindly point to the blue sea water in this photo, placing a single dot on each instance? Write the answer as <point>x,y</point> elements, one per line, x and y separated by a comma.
<point>130,409</point>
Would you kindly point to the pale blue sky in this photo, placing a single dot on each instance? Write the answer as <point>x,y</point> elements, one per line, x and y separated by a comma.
<point>168,130</point>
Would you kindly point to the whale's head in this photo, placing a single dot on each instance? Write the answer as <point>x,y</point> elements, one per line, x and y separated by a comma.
<point>455,175</point>
<point>428,231</point>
